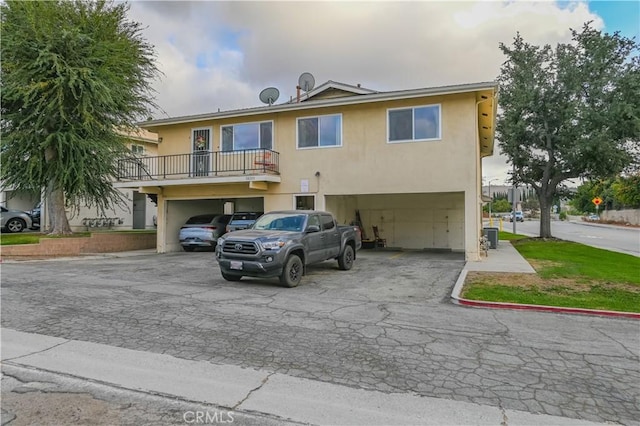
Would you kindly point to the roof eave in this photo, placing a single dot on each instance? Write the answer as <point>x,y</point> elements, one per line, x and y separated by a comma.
<point>348,100</point>
<point>487,105</point>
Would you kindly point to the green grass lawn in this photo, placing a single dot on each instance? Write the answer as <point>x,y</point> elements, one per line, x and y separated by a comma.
<point>11,239</point>
<point>568,274</point>
<point>34,238</point>
<point>503,235</point>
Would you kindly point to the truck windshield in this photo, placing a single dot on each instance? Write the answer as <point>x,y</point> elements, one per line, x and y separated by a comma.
<point>280,222</point>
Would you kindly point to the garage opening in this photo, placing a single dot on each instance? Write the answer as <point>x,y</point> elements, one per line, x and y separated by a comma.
<point>428,221</point>
<point>179,211</point>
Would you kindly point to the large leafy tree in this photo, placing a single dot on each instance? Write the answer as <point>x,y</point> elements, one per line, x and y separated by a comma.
<point>569,112</point>
<point>76,75</point>
<point>627,191</point>
<point>619,193</point>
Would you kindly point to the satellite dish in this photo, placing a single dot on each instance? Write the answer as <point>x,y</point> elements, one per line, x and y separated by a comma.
<point>269,95</point>
<point>306,81</point>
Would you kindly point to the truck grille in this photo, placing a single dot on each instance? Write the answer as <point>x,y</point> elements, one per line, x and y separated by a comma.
<point>239,247</point>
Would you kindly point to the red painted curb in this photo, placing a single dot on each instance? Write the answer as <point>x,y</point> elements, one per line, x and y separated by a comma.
<point>544,308</point>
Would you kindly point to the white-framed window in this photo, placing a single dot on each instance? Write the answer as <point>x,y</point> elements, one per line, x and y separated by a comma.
<point>201,139</point>
<point>304,201</point>
<point>319,132</point>
<point>237,137</point>
<point>137,149</point>
<point>421,123</point>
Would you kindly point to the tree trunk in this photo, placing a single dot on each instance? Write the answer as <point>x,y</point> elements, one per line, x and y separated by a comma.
<point>58,222</point>
<point>545,216</point>
<point>57,214</point>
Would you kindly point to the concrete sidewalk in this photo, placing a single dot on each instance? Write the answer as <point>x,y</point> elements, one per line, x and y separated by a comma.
<point>504,258</point>
<point>247,390</point>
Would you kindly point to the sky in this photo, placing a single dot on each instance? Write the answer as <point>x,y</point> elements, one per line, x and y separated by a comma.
<point>219,55</point>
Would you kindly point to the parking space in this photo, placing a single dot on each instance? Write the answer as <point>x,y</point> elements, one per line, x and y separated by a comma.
<point>385,325</point>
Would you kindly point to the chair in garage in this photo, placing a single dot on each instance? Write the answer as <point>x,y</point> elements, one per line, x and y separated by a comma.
<point>380,242</point>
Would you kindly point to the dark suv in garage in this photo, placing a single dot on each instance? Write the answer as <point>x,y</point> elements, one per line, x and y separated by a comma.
<point>242,220</point>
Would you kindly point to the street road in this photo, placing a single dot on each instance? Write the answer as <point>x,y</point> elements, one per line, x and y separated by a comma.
<point>614,238</point>
<point>386,326</point>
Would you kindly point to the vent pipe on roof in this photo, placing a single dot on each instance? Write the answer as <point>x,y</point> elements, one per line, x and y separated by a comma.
<point>298,93</point>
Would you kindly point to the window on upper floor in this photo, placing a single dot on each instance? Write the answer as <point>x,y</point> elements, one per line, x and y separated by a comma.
<point>137,149</point>
<point>247,136</point>
<point>414,124</point>
<point>319,132</point>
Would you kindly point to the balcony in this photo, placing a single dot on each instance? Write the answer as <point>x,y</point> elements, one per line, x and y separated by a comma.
<point>210,166</point>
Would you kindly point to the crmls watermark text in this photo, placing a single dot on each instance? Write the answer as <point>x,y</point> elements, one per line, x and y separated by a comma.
<point>207,417</point>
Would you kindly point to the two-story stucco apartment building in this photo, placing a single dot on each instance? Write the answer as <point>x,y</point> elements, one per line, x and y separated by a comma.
<point>140,210</point>
<point>408,162</point>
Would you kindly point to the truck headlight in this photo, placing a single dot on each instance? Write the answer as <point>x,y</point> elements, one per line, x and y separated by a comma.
<point>272,245</point>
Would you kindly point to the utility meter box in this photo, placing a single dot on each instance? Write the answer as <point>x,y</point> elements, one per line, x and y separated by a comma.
<point>492,236</point>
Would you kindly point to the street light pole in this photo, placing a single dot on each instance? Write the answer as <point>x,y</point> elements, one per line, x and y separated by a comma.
<point>490,201</point>
<point>514,202</point>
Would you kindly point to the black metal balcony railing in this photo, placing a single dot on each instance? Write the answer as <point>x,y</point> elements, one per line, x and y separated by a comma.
<point>199,164</point>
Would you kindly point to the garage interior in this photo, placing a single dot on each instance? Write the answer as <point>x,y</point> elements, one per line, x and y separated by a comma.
<point>422,221</point>
<point>178,211</point>
<point>425,221</point>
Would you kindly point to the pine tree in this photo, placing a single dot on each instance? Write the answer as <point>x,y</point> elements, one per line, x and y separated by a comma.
<point>75,76</point>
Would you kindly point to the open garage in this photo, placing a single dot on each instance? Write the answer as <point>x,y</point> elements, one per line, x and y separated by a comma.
<point>431,221</point>
<point>178,211</point>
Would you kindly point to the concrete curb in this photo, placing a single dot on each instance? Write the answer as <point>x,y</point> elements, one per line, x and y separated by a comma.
<point>457,289</point>
<point>249,391</point>
<point>604,225</point>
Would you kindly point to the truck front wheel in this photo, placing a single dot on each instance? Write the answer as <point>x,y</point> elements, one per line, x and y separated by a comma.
<point>292,272</point>
<point>345,260</point>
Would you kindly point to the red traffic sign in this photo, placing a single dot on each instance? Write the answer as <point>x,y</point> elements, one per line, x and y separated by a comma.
<point>597,201</point>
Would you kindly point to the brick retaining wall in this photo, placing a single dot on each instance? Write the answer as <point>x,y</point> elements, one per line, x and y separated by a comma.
<point>99,242</point>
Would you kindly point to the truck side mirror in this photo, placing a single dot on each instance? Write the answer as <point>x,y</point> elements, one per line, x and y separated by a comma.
<point>312,228</point>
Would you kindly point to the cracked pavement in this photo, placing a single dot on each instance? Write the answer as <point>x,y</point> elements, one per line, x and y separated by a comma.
<point>386,325</point>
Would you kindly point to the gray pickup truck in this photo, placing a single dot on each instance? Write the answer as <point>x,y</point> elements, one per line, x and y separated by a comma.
<point>283,243</point>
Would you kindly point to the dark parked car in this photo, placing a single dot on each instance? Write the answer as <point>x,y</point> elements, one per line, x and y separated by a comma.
<point>242,220</point>
<point>14,220</point>
<point>283,243</point>
<point>35,216</point>
<point>203,231</point>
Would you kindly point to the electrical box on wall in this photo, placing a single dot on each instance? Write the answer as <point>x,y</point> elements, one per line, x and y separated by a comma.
<point>228,207</point>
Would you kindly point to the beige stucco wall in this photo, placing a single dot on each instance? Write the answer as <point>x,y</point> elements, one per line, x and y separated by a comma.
<point>18,200</point>
<point>627,216</point>
<point>364,164</point>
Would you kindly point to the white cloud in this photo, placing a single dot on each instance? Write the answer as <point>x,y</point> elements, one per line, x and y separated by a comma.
<point>222,54</point>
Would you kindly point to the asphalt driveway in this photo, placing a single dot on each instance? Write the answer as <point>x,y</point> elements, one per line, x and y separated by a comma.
<point>385,325</point>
